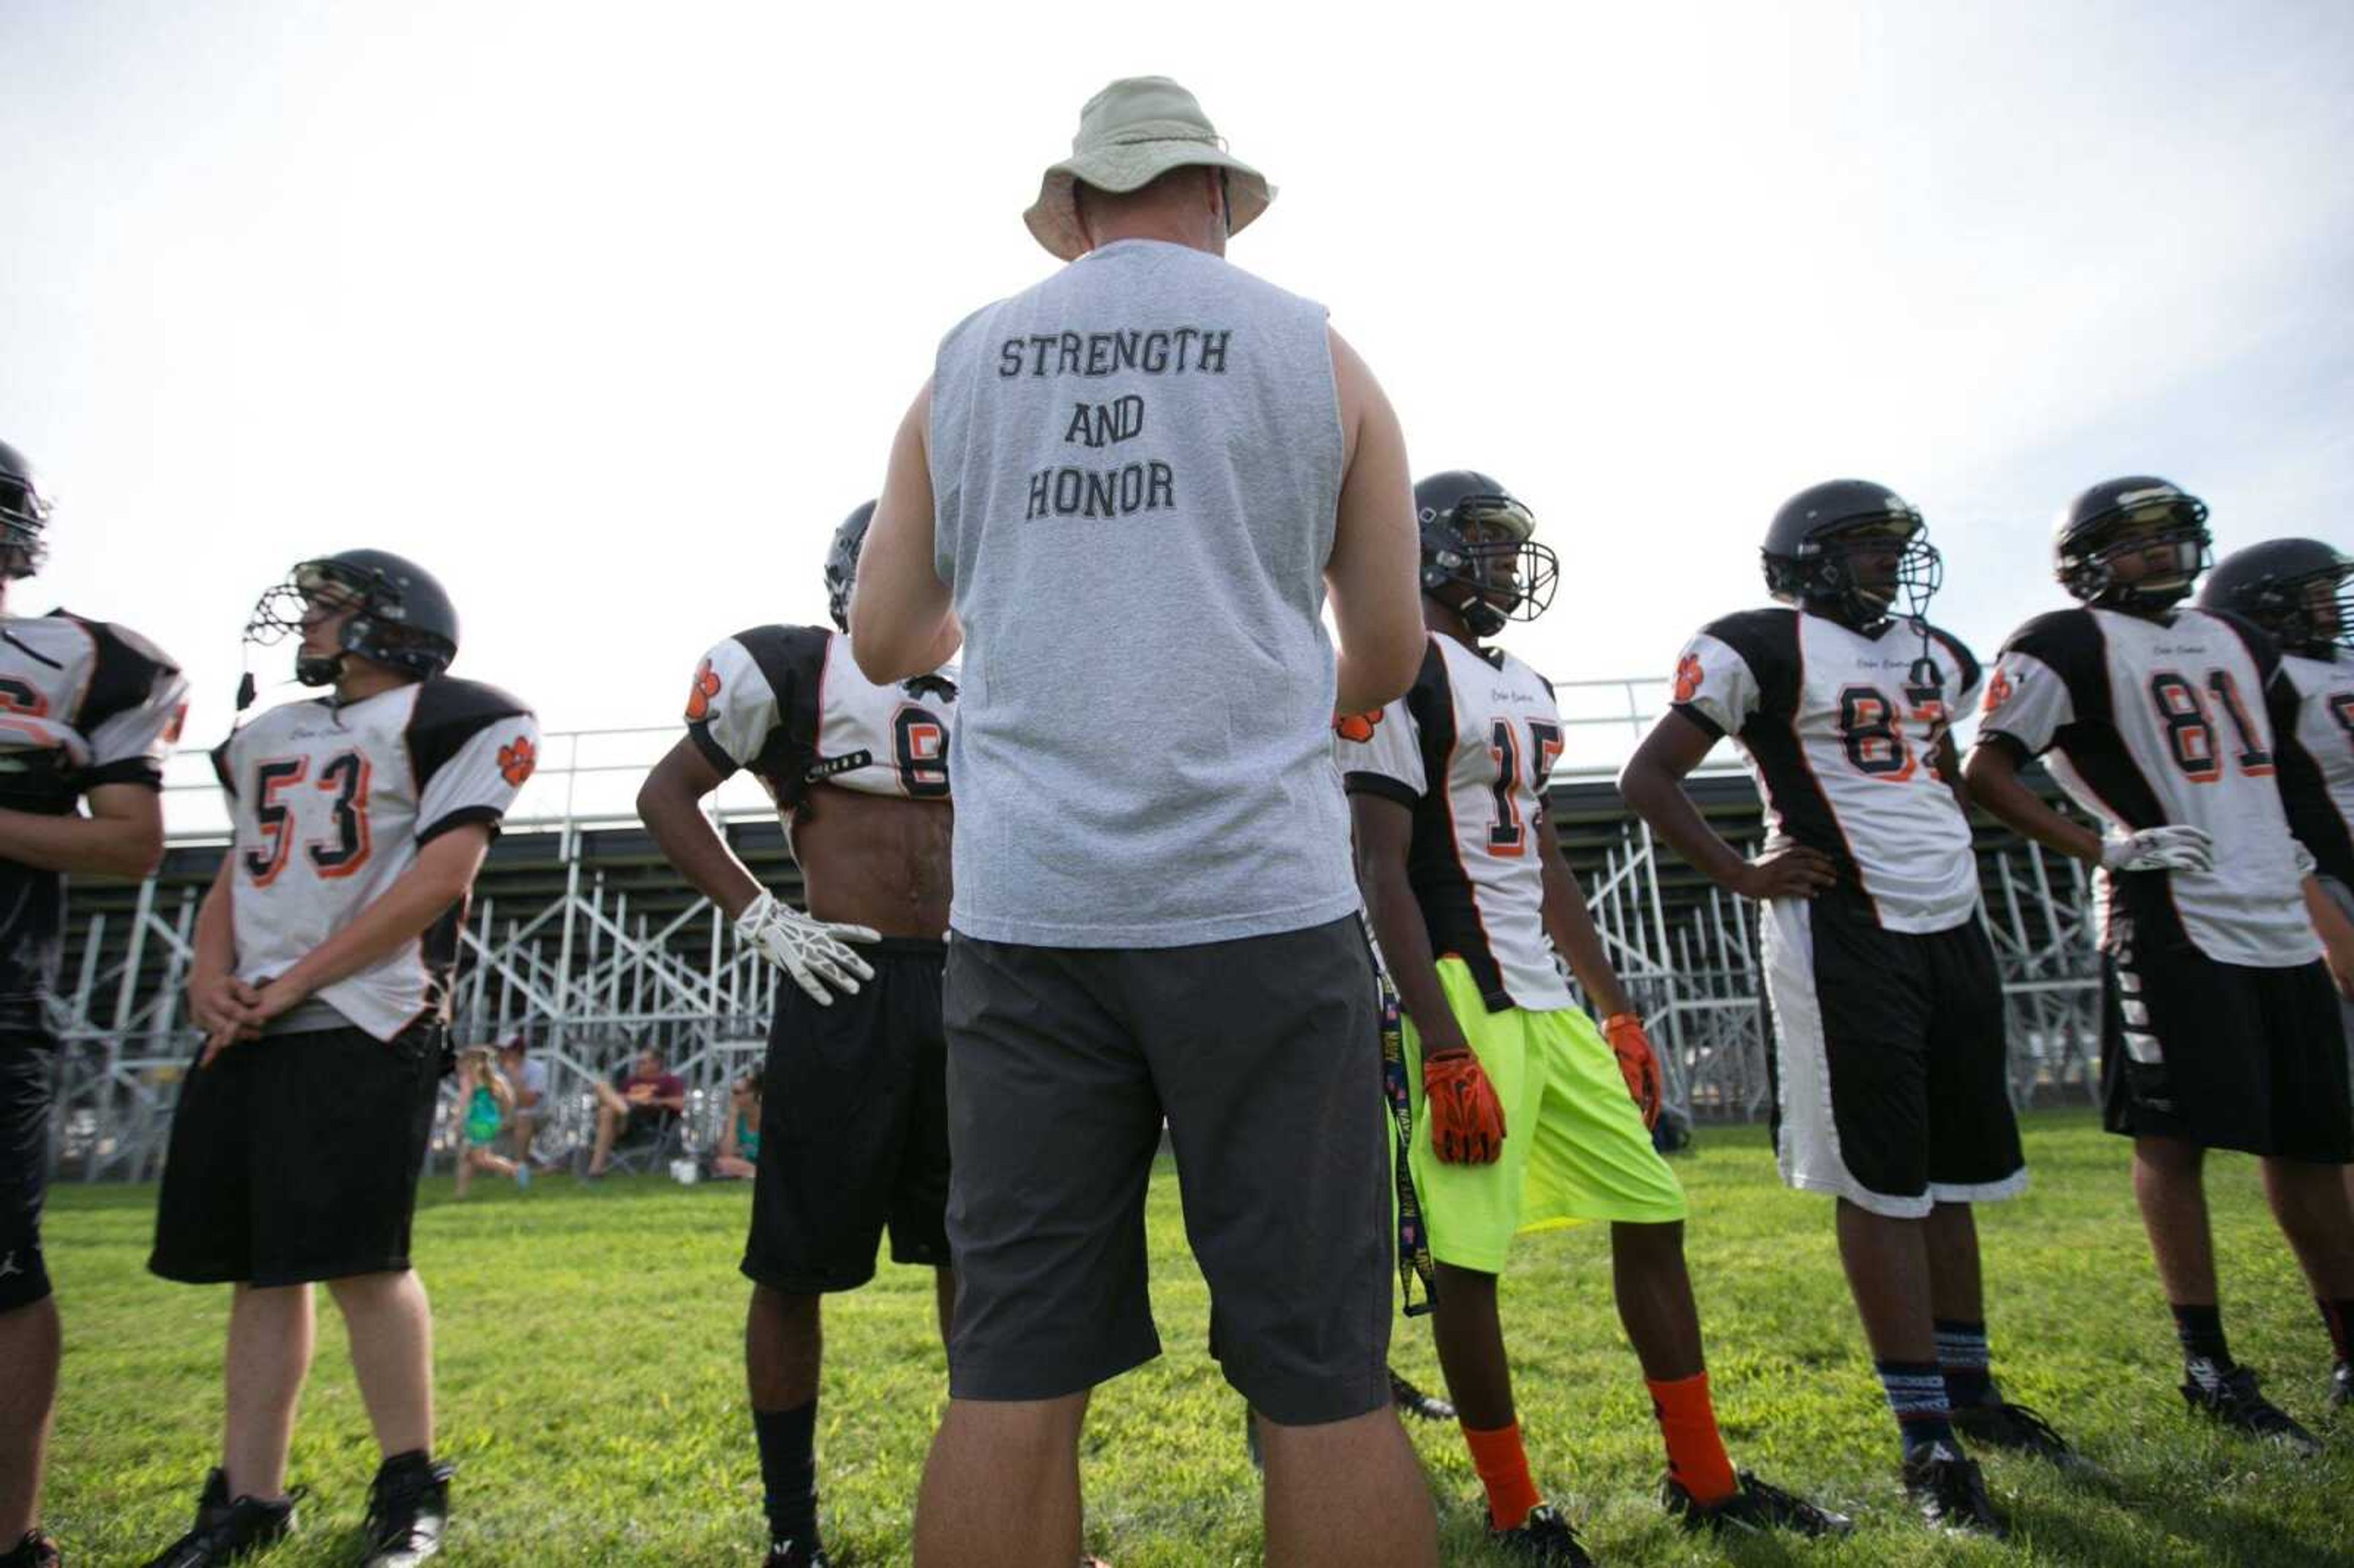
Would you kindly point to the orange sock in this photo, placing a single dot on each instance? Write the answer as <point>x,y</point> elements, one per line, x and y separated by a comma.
<point>1504,1469</point>
<point>1696,1459</point>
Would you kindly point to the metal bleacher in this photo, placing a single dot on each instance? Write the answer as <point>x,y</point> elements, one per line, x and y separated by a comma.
<point>581,937</point>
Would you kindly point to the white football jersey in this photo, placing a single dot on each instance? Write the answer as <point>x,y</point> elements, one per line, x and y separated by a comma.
<point>1841,729</point>
<point>789,704</point>
<point>1468,751</point>
<point>82,704</point>
<point>330,803</point>
<point>2157,721</point>
<point>2313,719</point>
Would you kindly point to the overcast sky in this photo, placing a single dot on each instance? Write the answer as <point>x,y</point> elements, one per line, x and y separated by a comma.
<point>605,314</point>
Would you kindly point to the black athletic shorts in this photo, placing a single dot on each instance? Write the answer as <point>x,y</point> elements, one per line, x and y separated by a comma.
<point>2221,1056</point>
<point>294,1157</point>
<point>1890,1087</point>
<point>1264,1054</point>
<point>853,1128</point>
<point>25,1060</point>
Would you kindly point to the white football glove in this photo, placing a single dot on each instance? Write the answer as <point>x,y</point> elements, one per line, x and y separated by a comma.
<point>816,953</point>
<point>2176,847</point>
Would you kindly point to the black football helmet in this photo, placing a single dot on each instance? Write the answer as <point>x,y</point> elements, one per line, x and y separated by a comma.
<point>24,514</point>
<point>2273,584</point>
<point>2119,516</point>
<point>405,616</point>
<point>1816,547</point>
<point>1504,563</point>
<point>841,563</point>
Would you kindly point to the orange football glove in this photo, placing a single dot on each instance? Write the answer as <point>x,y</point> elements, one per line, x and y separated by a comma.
<point>1356,726</point>
<point>1636,1063</point>
<point>1467,1123</point>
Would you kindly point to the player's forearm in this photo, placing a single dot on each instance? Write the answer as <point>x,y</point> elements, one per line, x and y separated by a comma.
<point>1570,924</point>
<point>421,895</point>
<point>1652,794</point>
<point>1948,764</point>
<point>215,934</point>
<point>1993,779</point>
<point>692,845</point>
<point>108,846</point>
<point>1363,684</point>
<point>2329,922</point>
<point>1406,947</point>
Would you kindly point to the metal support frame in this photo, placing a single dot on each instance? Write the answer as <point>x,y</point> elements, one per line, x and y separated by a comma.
<point>1696,976</point>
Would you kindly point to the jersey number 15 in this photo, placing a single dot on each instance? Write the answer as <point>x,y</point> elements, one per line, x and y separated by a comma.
<point>1508,834</point>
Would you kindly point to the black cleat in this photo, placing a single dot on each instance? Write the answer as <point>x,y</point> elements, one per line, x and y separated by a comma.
<point>2341,1386</point>
<point>1756,1507</point>
<point>795,1554</point>
<point>1998,1423</point>
<point>2233,1401</point>
<point>225,1530</point>
<point>34,1551</point>
<point>407,1511</point>
<point>1950,1492</point>
<point>1544,1537</point>
<point>1413,1402</point>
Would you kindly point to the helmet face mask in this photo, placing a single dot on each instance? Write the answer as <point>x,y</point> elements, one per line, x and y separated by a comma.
<point>841,563</point>
<point>2321,619</point>
<point>2155,531</point>
<point>392,613</point>
<point>23,517</point>
<point>1482,541</point>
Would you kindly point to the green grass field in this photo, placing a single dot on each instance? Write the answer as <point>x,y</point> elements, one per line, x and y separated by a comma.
<point>590,1386</point>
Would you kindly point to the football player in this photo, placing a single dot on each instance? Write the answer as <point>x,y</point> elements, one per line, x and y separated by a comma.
<point>1887,1047</point>
<point>2220,1027</point>
<point>88,714</point>
<point>856,1079</point>
<point>322,978</point>
<point>2295,590</point>
<point>1535,1117</point>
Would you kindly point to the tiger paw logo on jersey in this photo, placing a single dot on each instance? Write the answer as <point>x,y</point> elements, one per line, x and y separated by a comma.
<point>698,697</point>
<point>1358,728</point>
<point>1997,690</point>
<point>518,760</point>
<point>1688,677</point>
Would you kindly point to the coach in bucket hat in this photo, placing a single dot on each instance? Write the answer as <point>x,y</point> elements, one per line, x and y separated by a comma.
<point>1132,134</point>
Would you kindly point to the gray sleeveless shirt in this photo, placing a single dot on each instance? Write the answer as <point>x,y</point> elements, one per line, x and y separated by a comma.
<point>1135,466</point>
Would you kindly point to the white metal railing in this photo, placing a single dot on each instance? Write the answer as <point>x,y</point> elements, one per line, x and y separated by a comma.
<point>590,776</point>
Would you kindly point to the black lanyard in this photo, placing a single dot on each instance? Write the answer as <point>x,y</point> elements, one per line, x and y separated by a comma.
<point>1413,1238</point>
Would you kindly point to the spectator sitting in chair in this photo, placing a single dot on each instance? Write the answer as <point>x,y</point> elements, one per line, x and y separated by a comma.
<point>638,1106</point>
<point>528,1079</point>
<point>484,1102</point>
<point>740,1136</point>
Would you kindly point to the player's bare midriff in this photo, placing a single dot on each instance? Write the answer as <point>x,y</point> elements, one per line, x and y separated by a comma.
<point>877,860</point>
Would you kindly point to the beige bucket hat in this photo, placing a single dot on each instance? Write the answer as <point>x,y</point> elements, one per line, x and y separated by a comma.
<point>1132,134</point>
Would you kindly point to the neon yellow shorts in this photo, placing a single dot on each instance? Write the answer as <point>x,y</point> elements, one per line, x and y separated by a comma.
<point>1574,1145</point>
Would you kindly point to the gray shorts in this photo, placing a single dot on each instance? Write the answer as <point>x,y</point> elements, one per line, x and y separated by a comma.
<point>1265,1056</point>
